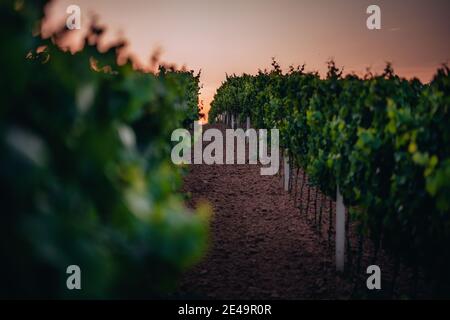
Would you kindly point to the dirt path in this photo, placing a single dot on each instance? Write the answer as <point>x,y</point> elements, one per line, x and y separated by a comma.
<point>262,248</point>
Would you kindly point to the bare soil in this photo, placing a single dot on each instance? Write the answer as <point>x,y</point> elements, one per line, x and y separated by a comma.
<point>267,245</point>
<point>261,246</point>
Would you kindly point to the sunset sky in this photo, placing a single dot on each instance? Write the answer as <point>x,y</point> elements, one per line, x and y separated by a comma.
<point>235,36</point>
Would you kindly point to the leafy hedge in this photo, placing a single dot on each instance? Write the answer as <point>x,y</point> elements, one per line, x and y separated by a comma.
<point>383,139</point>
<point>85,170</point>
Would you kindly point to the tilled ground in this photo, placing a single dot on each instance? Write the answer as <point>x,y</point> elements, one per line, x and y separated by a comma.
<point>262,247</point>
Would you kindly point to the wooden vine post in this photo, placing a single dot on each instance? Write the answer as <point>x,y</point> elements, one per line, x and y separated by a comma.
<point>340,231</point>
<point>286,170</point>
<point>247,137</point>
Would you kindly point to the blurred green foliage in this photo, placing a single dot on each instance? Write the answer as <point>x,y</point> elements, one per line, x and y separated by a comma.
<point>85,170</point>
<point>383,139</point>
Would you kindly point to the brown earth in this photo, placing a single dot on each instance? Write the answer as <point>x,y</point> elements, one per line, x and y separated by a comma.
<point>265,247</point>
<point>261,247</point>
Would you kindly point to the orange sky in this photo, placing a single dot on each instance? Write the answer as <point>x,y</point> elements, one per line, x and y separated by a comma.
<point>235,36</point>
